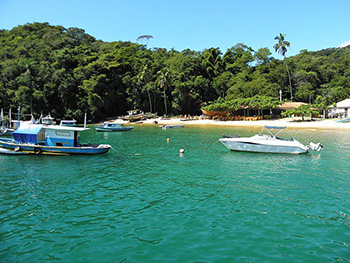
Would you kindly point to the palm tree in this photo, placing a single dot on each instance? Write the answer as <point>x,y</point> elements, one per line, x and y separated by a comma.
<point>163,81</point>
<point>281,48</point>
<point>144,38</point>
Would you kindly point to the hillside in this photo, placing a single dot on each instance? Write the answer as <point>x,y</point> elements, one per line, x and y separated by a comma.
<point>66,72</point>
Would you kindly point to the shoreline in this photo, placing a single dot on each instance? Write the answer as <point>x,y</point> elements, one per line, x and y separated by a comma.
<point>328,124</point>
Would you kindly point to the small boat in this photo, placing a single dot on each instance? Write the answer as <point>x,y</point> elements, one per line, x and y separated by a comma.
<point>69,123</point>
<point>112,127</point>
<point>176,126</point>
<point>134,115</point>
<point>343,121</point>
<point>6,131</point>
<point>268,143</point>
<point>48,120</point>
<point>215,113</point>
<point>149,115</point>
<point>40,139</point>
<point>8,151</point>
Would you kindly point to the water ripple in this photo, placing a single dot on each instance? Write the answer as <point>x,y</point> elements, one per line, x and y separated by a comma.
<point>146,203</point>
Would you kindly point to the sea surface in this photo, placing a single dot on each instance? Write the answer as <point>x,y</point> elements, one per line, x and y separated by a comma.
<point>145,202</point>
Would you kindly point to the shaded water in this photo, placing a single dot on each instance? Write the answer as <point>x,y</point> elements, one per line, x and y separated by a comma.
<point>143,202</point>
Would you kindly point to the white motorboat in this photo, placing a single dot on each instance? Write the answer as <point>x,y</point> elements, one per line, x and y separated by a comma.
<point>268,143</point>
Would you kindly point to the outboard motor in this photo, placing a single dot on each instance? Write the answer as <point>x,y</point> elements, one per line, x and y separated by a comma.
<point>314,146</point>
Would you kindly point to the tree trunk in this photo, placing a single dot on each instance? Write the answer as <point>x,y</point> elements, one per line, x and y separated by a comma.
<point>290,79</point>
<point>150,101</point>
<point>166,111</point>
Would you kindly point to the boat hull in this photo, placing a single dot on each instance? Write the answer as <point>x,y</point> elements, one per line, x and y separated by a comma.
<point>136,117</point>
<point>179,126</point>
<point>264,146</point>
<point>215,113</point>
<point>100,129</point>
<point>9,147</point>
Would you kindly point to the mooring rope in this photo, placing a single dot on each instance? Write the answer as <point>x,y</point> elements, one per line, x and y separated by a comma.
<point>115,150</point>
<point>211,145</point>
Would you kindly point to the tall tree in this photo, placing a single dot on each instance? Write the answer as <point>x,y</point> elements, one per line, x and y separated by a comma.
<point>144,38</point>
<point>163,82</point>
<point>144,77</point>
<point>281,48</point>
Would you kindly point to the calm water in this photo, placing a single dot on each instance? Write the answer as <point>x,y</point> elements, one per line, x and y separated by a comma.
<point>143,202</point>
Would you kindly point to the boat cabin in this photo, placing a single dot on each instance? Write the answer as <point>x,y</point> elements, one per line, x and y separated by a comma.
<point>112,125</point>
<point>48,135</point>
<point>70,123</point>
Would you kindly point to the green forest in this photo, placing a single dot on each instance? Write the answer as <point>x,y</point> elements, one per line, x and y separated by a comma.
<point>66,72</point>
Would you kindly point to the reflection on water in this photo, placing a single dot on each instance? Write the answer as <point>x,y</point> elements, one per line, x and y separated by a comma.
<point>144,202</point>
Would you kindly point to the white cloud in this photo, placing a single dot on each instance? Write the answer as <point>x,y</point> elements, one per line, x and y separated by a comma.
<point>346,43</point>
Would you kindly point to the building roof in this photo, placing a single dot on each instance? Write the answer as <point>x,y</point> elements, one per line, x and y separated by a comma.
<point>291,105</point>
<point>344,104</point>
<point>66,128</point>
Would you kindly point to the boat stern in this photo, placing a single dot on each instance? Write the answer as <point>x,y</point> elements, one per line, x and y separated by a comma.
<point>314,146</point>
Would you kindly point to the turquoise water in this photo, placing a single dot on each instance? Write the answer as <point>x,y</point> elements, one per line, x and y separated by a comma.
<point>143,202</point>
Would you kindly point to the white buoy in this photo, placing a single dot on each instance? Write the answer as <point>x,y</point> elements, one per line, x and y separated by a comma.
<point>182,150</point>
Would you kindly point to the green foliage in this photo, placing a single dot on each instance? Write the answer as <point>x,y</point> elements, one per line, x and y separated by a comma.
<point>302,110</point>
<point>67,72</point>
<point>255,102</point>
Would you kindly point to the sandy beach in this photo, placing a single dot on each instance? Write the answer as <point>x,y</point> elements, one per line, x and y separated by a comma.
<point>327,124</point>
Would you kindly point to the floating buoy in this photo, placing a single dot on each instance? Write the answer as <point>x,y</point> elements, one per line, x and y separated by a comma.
<point>182,150</point>
<point>168,140</point>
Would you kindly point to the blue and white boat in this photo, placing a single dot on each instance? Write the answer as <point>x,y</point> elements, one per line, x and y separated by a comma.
<point>268,143</point>
<point>112,127</point>
<point>38,139</point>
<point>343,121</point>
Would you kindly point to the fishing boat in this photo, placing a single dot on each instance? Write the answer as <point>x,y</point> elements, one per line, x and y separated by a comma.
<point>175,126</point>
<point>43,139</point>
<point>268,143</point>
<point>112,127</point>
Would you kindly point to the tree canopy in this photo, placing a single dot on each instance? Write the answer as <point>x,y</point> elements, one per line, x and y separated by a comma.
<point>64,71</point>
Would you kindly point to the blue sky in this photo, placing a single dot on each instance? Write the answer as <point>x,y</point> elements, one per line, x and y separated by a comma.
<point>195,24</point>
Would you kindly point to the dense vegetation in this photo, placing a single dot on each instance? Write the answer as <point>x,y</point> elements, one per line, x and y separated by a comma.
<point>67,72</point>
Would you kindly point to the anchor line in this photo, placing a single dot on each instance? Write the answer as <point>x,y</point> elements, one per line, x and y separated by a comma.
<point>211,145</point>
<point>115,150</point>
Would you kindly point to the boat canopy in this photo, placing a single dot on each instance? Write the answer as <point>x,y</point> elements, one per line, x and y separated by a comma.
<point>275,127</point>
<point>66,128</point>
<point>27,133</point>
<point>270,128</point>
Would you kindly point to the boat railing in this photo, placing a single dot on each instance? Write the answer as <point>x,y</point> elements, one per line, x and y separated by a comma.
<point>230,136</point>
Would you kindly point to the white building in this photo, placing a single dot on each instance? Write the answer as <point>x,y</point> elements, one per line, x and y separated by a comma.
<point>341,110</point>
